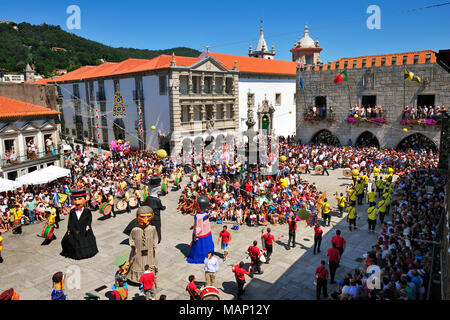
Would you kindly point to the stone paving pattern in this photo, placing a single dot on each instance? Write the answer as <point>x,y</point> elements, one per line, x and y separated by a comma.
<point>28,266</point>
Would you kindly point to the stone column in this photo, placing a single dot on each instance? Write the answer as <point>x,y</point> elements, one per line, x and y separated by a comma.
<point>202,84</point>
<point>190,82</point>
<point>224,84</point>
<point>213,86</point>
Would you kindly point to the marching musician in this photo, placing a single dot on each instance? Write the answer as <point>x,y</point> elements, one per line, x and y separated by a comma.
<point>127,199</point>
<point>111,202</point>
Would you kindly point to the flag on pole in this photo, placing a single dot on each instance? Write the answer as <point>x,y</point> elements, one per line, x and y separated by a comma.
<point>341,77</point>
<point>301,83</point>
<point>409,76</point>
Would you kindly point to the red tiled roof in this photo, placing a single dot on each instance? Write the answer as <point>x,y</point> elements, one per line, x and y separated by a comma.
<point>256,65</point>
<point>422,55</point>
<point>127,66</point>
<point>15,108</point>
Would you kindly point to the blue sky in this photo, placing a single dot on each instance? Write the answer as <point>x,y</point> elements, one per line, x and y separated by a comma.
<point>230,26</point>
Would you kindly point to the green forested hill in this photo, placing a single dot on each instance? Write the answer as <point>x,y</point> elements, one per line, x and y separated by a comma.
<point>33,44</point>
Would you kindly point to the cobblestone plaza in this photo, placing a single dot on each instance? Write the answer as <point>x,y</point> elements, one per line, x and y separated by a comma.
<point>28,266</point>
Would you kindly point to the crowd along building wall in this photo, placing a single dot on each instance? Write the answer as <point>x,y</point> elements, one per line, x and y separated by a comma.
<point>385,84</point>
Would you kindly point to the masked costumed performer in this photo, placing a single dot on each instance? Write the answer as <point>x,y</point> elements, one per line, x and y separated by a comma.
<point>143,241</point>
<point>202,241</point>
<point>79,241</point>
<point>153,202</point>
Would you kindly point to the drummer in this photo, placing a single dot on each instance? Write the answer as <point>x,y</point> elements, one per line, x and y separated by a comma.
<point>127,199</point>
<point>111,202</point>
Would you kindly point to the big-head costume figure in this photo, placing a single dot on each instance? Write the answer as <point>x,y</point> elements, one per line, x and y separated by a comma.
<point>153,202</point>
<point>202,241</point>
<point>143,241</point>
<point>79,241</point>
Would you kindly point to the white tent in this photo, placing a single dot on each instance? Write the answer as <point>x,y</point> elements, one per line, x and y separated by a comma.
<point>9,185</point>
<point>43,176</point>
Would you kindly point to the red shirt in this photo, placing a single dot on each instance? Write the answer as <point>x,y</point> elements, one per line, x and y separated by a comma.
<point>292,226</point>
<point>147,279</point>
<point>192,288</point>
<point>225,236</point>
<point>239,272</point>
<point>317,231</point>
<point>322,272</point>
<point>268,238</point>
<point>338,240</point>
<point>254,251</point>
<point>333,255</point>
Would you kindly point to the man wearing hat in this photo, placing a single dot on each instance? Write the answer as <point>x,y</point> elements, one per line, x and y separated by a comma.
<point>79,241</point>
<point>202,241</point>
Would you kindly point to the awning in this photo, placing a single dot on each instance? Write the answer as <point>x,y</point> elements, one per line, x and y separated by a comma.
<point>43,176</point>
<point>9,185</point>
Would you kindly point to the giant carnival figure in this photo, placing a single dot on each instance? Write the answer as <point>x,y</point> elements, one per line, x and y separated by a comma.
<point>143,242</point>
<point>202,241</point>
<point>79,241</point>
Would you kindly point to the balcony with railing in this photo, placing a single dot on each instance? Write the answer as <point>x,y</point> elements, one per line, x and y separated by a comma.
<point>11,158</point>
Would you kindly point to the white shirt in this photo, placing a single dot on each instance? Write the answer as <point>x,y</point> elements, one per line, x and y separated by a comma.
<point>211,265</point>
<point>79,213</point>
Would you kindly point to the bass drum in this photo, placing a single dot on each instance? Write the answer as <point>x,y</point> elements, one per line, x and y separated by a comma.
<point>209,293</point>
<point>347,173</point>
<point>47,232</point>
<point>106,209</point>
<point>303,168</point>
<point>133,202</point>
<point>194,177</point>
<point>121,205</point>
<point>319,169</point>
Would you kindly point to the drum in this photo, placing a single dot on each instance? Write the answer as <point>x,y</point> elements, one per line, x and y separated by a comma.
<point>121,205</point>
<point>319,169</point>
<point>133,202</point>
<point>106,209</point>
<point>347,173</point>
<point>194,177</point>
<point>164,188</point>
<point>47,232</point>
<point>303,168</point>
<point>177,181</point>
<point>209,293</point>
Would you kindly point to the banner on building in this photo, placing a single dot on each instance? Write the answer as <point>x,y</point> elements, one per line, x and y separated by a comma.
<point>119,108</point>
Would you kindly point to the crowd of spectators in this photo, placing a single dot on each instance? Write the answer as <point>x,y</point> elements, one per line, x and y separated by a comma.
<point>398,266</point>
<point>366,111</point>
<point>103,175</point>
<point>422,112</point>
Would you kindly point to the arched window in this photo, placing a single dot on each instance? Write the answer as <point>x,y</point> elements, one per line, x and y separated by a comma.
<point>367,139</point>
<point>417,141</point>
<point>326,137</point>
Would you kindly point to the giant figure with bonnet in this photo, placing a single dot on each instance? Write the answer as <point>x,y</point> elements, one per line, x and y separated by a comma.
<point>202,241</point>
<point>143,241</point>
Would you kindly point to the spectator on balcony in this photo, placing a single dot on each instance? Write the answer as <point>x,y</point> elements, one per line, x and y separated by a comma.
<point>49,147</point>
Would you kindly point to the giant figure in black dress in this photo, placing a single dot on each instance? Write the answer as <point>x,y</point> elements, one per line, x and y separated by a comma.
<point>79,241</point>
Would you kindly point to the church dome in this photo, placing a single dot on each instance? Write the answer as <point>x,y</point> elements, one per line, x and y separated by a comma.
<point>306,41</point>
